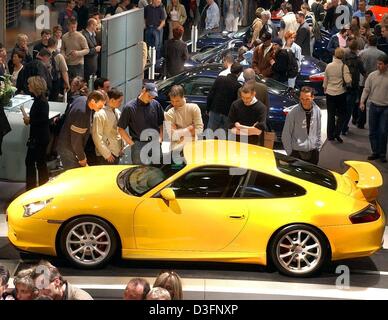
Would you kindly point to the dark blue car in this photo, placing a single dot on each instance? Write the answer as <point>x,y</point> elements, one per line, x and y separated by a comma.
<point>198,81</point>
<point>212,40</point>
<point>311,73</point>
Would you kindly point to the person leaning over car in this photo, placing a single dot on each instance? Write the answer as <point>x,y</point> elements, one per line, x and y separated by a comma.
<point>76,128</point>
<point>301,134</point>
<point>107,140</point>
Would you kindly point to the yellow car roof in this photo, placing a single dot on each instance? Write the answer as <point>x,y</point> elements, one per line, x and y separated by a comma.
<point>230,153</point>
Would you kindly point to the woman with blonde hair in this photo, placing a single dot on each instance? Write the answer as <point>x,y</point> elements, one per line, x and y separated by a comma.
<point>337,78</point>
<point>39,133</point>
<point>170,281</point>
<point>176,16</point>
<point>365,32</point>
<point>22,46</point>
<point>290,44</point>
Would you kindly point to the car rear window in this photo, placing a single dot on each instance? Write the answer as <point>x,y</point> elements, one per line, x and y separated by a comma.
<point>306,171</point>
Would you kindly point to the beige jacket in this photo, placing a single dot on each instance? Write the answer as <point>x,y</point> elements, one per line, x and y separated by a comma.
<point>257,25</point>
<point>181,118</point>
<point>104,132</point>
<point>333,82</point>
<point>182,15</point>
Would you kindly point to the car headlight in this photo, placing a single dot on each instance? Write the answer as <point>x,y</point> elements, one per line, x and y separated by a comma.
<point>32,208</point>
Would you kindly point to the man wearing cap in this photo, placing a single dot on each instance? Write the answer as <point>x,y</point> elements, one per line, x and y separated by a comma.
<point>262,56</point>
<point>144,118</point>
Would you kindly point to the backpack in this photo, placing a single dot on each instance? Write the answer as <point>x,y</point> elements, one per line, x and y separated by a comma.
<point>54,70</point>
<point>353,64</point>
<point>293,67</point>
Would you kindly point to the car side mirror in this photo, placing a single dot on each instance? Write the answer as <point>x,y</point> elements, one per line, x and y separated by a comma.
<point>168,194</point>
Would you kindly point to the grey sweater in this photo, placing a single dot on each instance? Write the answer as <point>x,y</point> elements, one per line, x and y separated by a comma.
<point>294,135</point>
<point>376,88</point>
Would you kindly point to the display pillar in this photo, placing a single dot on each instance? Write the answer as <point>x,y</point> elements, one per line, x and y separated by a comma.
<point>3,21</point>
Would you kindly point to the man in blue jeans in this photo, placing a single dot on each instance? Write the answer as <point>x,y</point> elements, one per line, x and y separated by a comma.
<point>376,92</point>
<point>155,19</point>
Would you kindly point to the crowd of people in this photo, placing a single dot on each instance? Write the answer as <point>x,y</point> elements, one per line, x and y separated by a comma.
<point>93,130</point>
<point>43,281</point>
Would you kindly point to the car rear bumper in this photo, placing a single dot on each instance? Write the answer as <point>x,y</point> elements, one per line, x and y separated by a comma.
<point>356,240</point>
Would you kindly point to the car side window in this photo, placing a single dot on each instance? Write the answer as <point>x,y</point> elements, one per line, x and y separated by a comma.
<point>261,185</point>
<point>198,86</point>
<point>208,182</point>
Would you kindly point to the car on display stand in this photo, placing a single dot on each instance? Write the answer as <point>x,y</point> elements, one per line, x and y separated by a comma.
<point>227,202</point>
<point>198,81</point>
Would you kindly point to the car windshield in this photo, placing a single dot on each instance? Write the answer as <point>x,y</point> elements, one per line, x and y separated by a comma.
<point>169,82</point>
<point>240,33</point>
<point>203,56</point>
<point>305,170</point>
<point>139,180</point>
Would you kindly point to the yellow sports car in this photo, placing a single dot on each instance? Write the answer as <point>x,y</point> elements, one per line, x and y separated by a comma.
<point>228,201</point>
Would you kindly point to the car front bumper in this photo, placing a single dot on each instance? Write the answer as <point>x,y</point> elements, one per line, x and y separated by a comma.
<point>31,234</point>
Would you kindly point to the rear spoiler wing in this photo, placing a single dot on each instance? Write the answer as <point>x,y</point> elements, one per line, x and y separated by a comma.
<point>364,174</point>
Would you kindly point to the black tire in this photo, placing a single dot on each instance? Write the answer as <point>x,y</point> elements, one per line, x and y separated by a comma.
<point>305,260</point>
<point>106,242</point>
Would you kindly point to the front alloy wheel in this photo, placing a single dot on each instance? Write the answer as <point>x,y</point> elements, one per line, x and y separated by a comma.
<point>299,251</point>
<point>88,242</point>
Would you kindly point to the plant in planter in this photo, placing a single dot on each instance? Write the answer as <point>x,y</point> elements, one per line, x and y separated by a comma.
<point>7,90</point>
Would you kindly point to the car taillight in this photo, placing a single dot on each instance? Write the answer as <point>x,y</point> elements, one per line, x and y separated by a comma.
<point>369,214</point>
<point>317,77</point>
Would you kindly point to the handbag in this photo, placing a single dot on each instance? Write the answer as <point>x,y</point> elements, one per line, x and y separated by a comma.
<point>269,139</point>
<point>347,86</point>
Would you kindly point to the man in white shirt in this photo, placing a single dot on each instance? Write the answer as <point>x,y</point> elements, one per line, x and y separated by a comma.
<point>227,62</point>
<point>212,21</point>
<point>183,120</point>
<point>106,138</point>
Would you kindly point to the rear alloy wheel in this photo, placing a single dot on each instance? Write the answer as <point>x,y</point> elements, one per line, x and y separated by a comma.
<point>298,251</point>
<point>88,242</point>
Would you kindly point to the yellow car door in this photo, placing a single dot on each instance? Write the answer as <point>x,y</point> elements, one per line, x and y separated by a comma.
<point>204,216</point>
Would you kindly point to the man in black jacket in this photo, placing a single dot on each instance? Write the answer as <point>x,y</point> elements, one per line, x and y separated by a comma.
<point>248,116</point>
<point>303,34</point>
<point>280,63</point>
<point>39,67</point>
<point>221,96</point>
<point>90,60</point>
<point>356,68</point>
<point>76,129</point>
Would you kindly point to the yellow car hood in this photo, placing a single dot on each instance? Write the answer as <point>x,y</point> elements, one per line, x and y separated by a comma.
<point>77,181</point>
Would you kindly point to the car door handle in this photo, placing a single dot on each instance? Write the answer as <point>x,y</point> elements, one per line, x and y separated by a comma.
<point>237,216</point>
